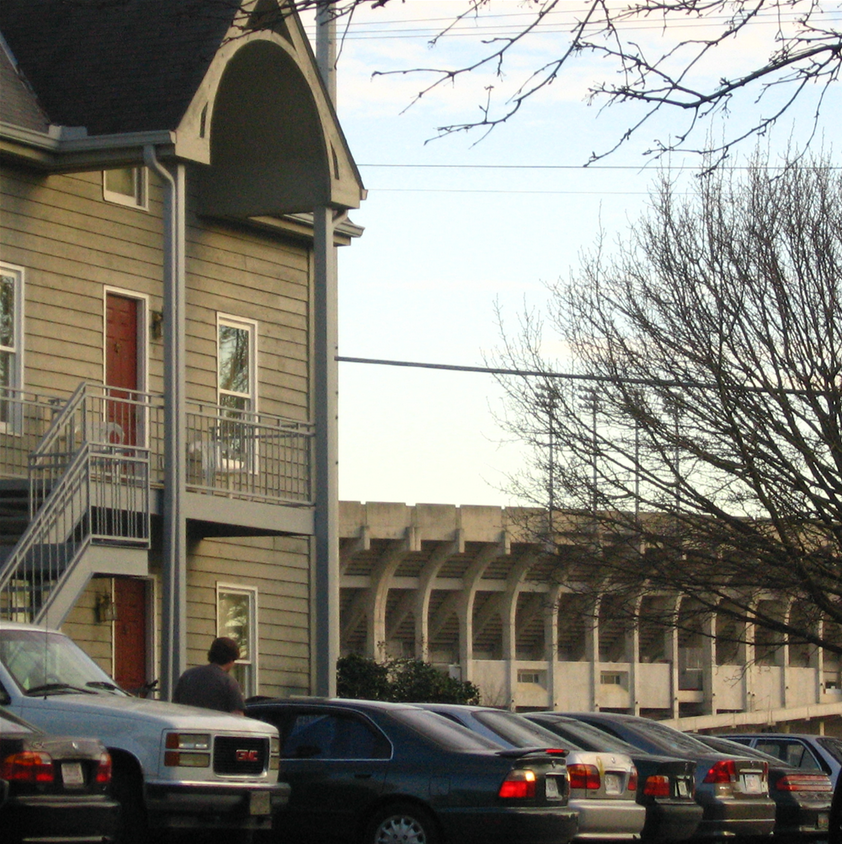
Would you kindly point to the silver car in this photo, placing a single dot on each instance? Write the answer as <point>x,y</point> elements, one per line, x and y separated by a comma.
<point>733,791</point>
<point>603,786</point>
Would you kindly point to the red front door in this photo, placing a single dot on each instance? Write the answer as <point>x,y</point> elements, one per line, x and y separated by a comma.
<point>130,633</point>
<point>122,370</point>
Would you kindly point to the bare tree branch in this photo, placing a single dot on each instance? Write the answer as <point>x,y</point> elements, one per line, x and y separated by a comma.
<point>706,460</point>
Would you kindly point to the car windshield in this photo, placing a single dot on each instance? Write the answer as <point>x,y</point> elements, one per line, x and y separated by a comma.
<point>518,731</point>
<point>589,737</point>
<point>41,662</point>
<point>670,740</point>
<point>443,732</point>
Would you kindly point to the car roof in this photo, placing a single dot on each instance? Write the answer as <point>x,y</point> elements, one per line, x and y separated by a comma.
<point>329,701</point>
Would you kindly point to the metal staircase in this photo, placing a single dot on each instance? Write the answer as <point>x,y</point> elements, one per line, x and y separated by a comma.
<point>89,509</point>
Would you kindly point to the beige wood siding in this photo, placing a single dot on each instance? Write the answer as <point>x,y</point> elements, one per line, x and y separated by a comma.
<point>278,568</point>
<point>72,245</point>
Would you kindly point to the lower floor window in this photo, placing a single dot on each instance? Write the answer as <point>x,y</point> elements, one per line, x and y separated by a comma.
<point>237,619</point>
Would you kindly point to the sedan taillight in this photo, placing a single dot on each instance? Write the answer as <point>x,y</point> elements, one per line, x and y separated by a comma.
<point>724,771</point>
<point>29,767</point>
<point>583,776</point>
<point>804,782</point>
<point>632,786</point>
<point>657,786</point>
<point>518,785</point>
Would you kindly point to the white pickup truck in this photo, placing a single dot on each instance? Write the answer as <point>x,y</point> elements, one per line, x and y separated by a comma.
<point>175,767</point>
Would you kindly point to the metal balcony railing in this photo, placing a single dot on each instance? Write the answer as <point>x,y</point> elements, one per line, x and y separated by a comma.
<point>241,454</point>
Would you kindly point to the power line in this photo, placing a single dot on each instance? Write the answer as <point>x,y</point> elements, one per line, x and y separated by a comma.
<point>574,376</point>
<point>511,191</point>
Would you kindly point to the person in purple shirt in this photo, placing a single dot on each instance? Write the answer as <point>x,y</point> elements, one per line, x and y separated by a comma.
<point>211,686</point>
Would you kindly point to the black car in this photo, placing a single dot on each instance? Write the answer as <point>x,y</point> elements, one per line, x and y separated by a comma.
<point>56,789</point>
<point>802,798</point>
<point>373,773</point>
<point>665,786</point>
<point>733,790</point>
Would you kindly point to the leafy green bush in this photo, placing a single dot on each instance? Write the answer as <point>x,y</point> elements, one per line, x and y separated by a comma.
<point>400,680</point>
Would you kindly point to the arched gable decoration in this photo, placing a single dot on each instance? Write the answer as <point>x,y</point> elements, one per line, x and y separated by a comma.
<point>264,124</point>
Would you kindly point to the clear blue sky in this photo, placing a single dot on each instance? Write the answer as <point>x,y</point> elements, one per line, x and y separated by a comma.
<point>452,227</point>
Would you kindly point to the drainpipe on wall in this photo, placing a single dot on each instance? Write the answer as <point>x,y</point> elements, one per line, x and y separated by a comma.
<point>174,560</point>
<point>325,605</point>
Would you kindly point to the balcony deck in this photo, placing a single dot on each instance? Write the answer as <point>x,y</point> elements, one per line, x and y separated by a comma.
<point>246,473</point>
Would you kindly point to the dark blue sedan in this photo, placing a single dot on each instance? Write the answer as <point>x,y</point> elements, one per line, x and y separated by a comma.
<point>376,773</point>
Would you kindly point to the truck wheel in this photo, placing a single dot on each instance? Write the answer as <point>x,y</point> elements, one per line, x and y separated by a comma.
<point>401,823</point>
<point>127,788</point>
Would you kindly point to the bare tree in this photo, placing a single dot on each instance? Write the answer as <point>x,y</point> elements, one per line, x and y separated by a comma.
<point>699,452</point>
<point>792,50</point>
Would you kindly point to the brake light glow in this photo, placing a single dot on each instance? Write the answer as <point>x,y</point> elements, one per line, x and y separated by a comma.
<point>657,786</point>
<point>804,782</point>
<point>583,776</point>
<point>518,785</point>
<point>724,771</point>
<point>28,766</point>
<point>103,769</point>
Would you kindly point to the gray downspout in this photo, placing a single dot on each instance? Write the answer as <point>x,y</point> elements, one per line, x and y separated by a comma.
<point>174,560</point>
<point>326,387</point>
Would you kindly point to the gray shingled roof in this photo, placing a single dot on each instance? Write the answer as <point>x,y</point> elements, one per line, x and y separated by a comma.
<point>18,104</point>
<point>114,66</point>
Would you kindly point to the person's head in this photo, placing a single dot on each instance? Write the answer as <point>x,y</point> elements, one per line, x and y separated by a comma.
<point>223,650</point>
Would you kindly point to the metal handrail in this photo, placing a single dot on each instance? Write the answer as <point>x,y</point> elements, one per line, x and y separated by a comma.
<point>257,456</point>
<point>24,418</point>
<point>103,495</point>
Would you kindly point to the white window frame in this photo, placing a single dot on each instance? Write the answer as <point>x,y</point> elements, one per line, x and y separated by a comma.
<point>139,199</point>
<point>14,423</point>
<point>245,669</point>
<point>250,326</point>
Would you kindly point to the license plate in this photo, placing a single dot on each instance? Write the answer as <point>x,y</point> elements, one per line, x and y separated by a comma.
<point>71,774</point>
<point>682,788</point>
<point>260,803</point>
<point>751,784</point>
<point>822,822</point>
<point>612,784</point>
<point>552,787</point>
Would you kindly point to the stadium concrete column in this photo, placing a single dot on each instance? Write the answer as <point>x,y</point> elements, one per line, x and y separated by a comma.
<point>551,645</point>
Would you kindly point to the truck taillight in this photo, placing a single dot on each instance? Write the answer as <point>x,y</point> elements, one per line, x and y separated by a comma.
<point>29,767</point>
<point>103,769</point>
<point>518,785</point>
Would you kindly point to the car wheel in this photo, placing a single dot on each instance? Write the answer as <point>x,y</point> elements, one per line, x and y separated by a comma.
<point>127,790</point>
<point>401,823</point>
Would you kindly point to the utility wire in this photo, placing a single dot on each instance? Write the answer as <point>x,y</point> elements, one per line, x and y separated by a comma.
<point>574,376</point>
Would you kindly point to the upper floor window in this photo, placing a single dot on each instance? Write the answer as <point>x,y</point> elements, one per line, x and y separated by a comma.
<point>237,364</point>
<point>125,186</point>
<point>11,340</point>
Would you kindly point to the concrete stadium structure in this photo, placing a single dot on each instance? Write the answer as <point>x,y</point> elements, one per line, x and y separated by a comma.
<point>471,590</point>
